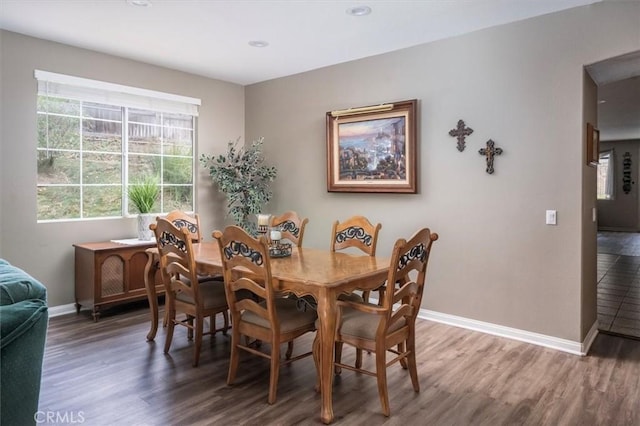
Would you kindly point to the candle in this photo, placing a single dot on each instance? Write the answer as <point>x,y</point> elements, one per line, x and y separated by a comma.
<point>263,219</point>
<point>275,235</point>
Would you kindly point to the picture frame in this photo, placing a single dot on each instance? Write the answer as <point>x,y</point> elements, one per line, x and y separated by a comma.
<point>373,148</point>
<point>593,145</point>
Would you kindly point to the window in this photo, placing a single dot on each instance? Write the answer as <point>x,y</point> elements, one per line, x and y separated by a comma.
<point>95,139</point>
<point>605,175</point>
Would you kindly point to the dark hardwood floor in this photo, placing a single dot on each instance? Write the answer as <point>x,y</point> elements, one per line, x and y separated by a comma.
<point>108,374</point>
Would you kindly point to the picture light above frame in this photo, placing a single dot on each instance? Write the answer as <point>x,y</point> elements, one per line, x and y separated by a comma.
<point>360,110</point>
<point>373,148</point>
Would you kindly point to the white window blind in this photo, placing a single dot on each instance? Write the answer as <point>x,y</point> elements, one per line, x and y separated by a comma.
<point>70,87</point>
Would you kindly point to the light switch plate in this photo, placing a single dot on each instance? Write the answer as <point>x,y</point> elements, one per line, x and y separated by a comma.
<point>552,217</point>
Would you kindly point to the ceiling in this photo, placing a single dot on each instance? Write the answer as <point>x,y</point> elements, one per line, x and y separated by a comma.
<point>211,37</point>
<point>619,110</point>
<point>618,82</point>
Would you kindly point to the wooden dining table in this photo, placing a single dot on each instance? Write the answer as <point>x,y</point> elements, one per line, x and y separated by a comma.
<point>322,274</point>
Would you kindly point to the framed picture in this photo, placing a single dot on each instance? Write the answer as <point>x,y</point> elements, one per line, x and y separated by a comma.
<point>593,145</point>
<point>373,148</point>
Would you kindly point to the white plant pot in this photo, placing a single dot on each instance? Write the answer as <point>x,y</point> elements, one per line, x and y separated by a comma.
<point>144,220</point>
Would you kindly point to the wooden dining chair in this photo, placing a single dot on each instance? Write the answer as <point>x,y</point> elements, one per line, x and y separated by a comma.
<point>291,226</point>
<point>384,328</point>
<point>355,232</point>
<point>191,222</point>
<point>274,320</point>
<point>185,292</point>
<point>359,233</point>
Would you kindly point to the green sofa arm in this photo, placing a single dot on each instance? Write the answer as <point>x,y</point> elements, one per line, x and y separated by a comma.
<point>23,329</point>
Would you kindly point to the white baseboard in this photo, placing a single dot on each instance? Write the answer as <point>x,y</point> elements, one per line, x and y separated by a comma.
<point>56,311</point>
<point>576,348</point>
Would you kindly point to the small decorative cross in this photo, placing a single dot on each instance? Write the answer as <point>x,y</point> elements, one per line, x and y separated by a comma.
<point>461,132</point>
<point>489,152</point>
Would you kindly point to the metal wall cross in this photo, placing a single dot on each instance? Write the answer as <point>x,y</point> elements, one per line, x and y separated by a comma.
<point>461,132</point>
<point>489,153</point>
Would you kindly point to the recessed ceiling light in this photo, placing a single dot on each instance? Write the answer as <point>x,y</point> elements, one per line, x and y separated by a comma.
<point>258,43</point>
<point>141,3</point>
<point>602,101</point>
<point>359,10</point>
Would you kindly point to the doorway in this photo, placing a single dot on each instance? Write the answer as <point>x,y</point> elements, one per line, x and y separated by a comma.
<point>618,240</point>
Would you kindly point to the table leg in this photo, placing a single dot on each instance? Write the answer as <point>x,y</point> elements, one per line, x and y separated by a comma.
<point>150,270</point>
<point>327,318</point>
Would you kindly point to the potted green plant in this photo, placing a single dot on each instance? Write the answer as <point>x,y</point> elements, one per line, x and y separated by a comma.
<point>143,195</point>
<point>244,179</point>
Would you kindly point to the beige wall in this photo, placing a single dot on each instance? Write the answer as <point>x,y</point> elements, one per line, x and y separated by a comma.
<point>520,85</point>
<point>45,250</point>
<point>621,213</point>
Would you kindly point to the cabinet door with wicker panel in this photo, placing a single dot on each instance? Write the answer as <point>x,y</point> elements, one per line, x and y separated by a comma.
<point>108,274</point>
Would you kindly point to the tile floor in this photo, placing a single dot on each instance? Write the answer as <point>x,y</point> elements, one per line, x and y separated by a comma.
<point>619,283</point>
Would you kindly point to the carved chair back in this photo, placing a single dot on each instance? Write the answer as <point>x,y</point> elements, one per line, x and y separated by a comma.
<point>291,225</point>
<point>358,232</point>
<point>181,219</point>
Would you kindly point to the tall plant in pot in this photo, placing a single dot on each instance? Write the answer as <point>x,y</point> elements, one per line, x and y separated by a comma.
<point>143,195</point>
<point>244,179</point>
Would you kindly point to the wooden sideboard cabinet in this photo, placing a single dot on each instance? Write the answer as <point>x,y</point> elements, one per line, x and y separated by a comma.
<point>108,273</point>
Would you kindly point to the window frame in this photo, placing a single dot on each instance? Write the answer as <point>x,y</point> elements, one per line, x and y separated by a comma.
<point>179,106</point>
<point>609,175</point>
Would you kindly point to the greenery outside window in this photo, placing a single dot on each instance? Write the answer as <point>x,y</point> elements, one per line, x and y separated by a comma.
<point>605,175</point>
<point>96,139</point>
